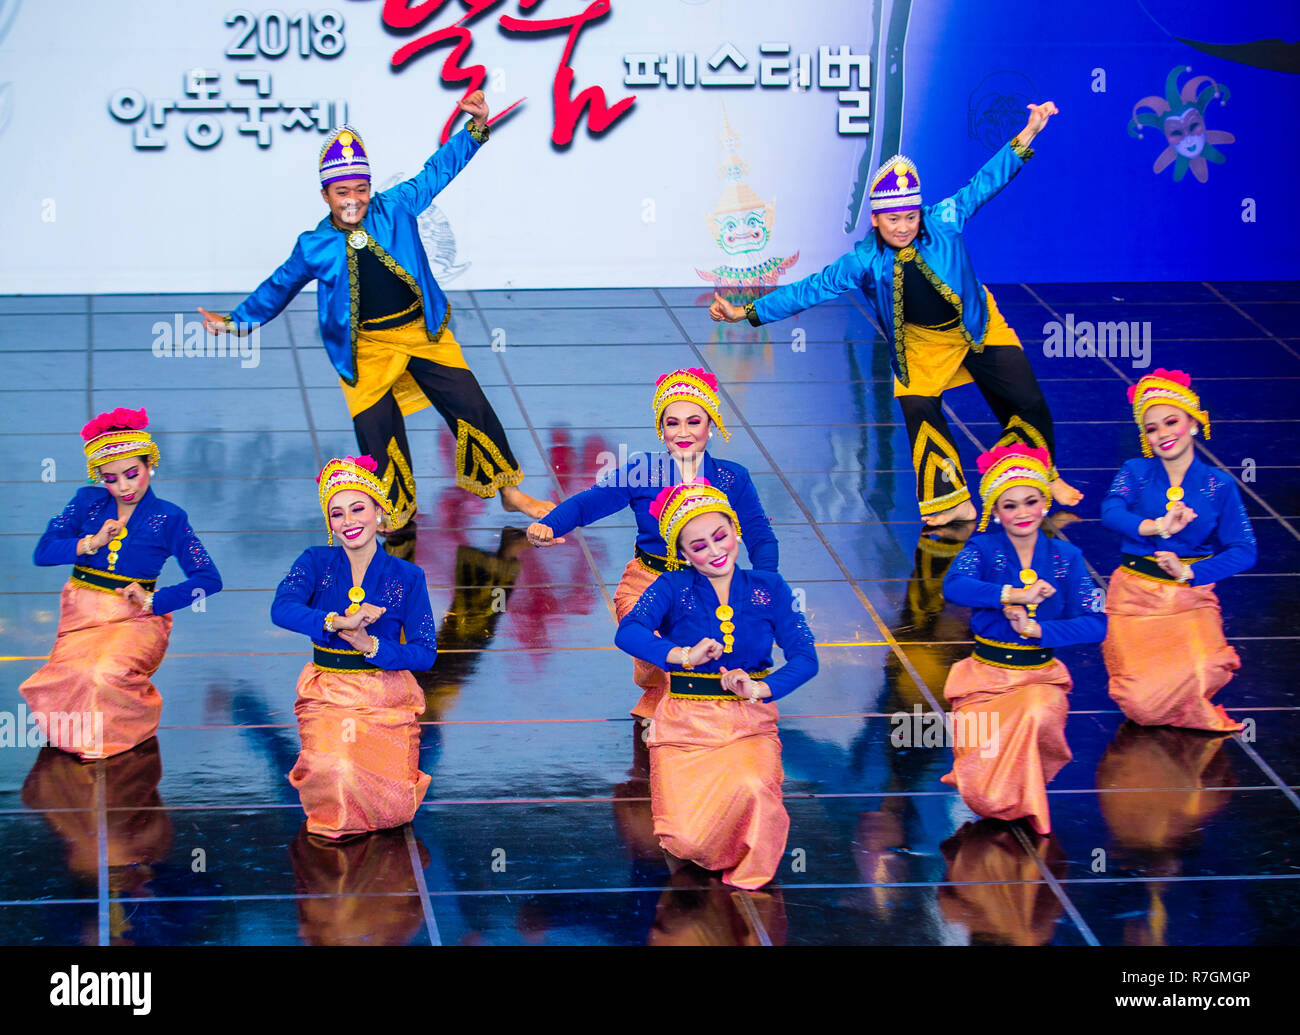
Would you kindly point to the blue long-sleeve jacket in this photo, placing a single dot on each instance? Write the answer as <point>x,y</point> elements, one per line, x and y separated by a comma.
<point>939,245</point>
<point>637,482</point>
<point>321,254</point>
<point>318,583</point>
<point>681,607</point>
<point>1075,613</point>
<point>155,531</point>
<point>1221,532</point>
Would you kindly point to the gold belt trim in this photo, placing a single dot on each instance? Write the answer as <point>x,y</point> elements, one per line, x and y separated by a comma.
<point>686,681</point>
<point>106,581</point>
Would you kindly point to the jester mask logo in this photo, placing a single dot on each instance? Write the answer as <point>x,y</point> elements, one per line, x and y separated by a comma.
<point>1180,115</point>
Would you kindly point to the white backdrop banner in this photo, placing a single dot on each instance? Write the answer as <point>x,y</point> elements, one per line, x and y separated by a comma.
<point>159,146</point>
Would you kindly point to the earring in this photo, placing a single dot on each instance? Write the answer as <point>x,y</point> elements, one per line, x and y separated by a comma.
<point>1196,429</point>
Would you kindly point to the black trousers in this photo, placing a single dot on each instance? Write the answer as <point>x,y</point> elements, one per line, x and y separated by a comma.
<point>484,462</point>
<point>1006,380</point>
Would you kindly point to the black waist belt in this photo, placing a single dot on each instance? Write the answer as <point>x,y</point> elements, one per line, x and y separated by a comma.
<point>387,323</point>
<point>332,660</point>
<point>1012,655</point>
<point>108,580</point>
<point>705,686</point>
<point>1147,566</point>
<point>653,561</point>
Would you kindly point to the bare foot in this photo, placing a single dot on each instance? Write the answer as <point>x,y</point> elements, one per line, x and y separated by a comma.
<point>964,511</point>
<point>1065,494</point>
<point>515,499</point>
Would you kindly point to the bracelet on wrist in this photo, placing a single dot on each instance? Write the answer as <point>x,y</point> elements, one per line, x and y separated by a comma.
<point>374,649</point>
<point>1006,594</point>
<point>329,621</point>
<point>148,602</point>
<point>685,663</point>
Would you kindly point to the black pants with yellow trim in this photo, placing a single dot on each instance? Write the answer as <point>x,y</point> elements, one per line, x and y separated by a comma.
<point>484,462</point>
<point>1006,380</point>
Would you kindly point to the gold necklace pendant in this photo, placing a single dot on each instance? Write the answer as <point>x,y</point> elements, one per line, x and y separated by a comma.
<point>114,548</point>
<point>358,239</point>
<point>1174,494</point>
<point>728,627</point>
<point>356,594</point>
<point>1027,578</point>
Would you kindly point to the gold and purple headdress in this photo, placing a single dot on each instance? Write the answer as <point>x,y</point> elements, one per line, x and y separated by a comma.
<point>350,472</point>
<point>116,434</point>
<point>1164,387</point>
<point>691,385</point>
<point>677,504</point>
<point>896,187</point>
<point>343,157</point>
<point>1005,467</point>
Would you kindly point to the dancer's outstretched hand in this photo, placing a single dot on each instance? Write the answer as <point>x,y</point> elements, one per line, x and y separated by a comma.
<point>542,535</point>
<point>476,106</point>
<point>721,309</point>
<point>1038,116</point>
<point>213,323</point>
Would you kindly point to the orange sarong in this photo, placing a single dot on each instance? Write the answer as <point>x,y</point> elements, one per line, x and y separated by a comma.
<point>715,787</point>
<point>1026,711</point>
<point>94,697</point>
<point>654,681</point>
<point>1166,653</point>
<point>358,769</point>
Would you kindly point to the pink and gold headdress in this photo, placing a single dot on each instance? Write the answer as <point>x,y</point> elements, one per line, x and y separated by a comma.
<point>1164,387</point>
<point>677,504</point>
<point>1004,467</point>
<point>350,472</point>
<point>116,434</point>
<point>691,385</point>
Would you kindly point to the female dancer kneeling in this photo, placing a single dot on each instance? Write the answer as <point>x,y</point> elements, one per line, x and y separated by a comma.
<point>368,617</point>
<point>1028,594</point>
<point>1184,529</point>
<point>94,696</point>
<point>686,407</point>
<point>715,759</point>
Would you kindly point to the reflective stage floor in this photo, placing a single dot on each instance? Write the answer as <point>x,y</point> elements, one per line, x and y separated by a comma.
<point>537,826</point>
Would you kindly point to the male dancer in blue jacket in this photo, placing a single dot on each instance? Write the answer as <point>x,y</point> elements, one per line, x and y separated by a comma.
<point>942,322</point>
<point>383,320</point>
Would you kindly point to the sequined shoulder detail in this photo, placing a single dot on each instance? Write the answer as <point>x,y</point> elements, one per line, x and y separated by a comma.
<point>760,596</point>
<point>66,519</point>
<point>193,548</point>
<point>726,478</point>
<point>967,563</point>
<point>392,593</point>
